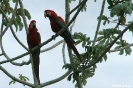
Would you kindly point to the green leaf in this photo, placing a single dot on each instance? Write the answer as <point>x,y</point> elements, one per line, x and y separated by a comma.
<point>27,14</point>
<point>14,22</point>
<point>84,82</point>
<point>102,42</point>
<point>12,82</point>
<point>121,52</point>
<point>14,1</point>
<point>83,44</point>
<point>110,2</point>
<point>5,22</point>
<point>128,51</point>
<point>105,57</point>
<point>20,26</point>
<point>104,22</point>
<point>67,66</point>
<point>69,77</point>
<point>77,42</point>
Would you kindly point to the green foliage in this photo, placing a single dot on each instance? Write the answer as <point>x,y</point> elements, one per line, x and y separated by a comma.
<point>131,28</point>
<point>80,37</point>
<point>107,36</point>
<point>12,82</point>
<point>120,8</point>
<point>5,6</point>
<point>84,8</point>
<point>90,56</point>
<point>21,77</point>
<point>121,43</point>
<point>8,10</point>
<point>105,19</point>
<point>67,66</point>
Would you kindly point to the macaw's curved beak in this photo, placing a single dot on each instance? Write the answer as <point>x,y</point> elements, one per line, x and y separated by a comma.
<point>45,15</point>
<point>34,25</point>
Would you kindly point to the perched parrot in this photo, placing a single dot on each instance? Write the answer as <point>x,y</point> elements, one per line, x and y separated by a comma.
<point>57,23</point>
<point>34,39</point>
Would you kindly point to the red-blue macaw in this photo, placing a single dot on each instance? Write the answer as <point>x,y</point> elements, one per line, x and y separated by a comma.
<point>57,23</point>
<point>33,40</point>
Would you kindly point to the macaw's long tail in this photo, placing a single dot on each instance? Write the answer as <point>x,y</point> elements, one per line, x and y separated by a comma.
<point>72,46</point>
<point>36,61</point>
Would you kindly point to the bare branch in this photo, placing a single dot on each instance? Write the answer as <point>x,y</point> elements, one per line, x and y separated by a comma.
<point>63,53</point>
<point>1,54</point>
<point>57,79</point>
<point>34,75</point>
<point>9,59</point>
<point>49,48</point>
<point>99,22</point>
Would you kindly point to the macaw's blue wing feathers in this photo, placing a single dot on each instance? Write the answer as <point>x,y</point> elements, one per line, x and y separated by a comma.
<point>66,34</point>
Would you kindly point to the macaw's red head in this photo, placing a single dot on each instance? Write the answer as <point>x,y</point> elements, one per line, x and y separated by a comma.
<point>49,13</point>
<point>32,24</point>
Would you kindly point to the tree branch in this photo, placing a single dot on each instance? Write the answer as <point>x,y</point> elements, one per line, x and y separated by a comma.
<point>63,53</point>
<point>9,59</point>
<point>53,46</point>
<point>1,54</point>
<point>75,8</point>
<point>57,79</point>
<point>14,78</point>
<point>99,22</point>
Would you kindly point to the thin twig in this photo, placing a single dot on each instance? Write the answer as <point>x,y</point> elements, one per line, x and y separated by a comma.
<point>63,52</point>
<point>1,54</point>
<point>57,79</point>
<point>99,22</point>
<point>53,46</point>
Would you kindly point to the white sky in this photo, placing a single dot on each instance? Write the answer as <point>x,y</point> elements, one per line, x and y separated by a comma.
<point>117,70</point>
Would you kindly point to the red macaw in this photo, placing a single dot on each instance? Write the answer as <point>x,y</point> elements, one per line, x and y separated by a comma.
<point>57,23</point>
<point>34,39</point>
